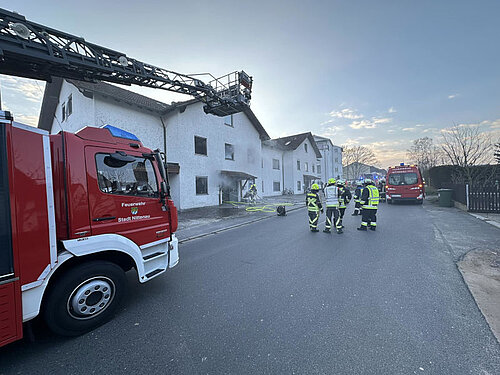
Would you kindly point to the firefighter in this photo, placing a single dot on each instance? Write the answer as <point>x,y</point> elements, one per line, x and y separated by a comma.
<point>344,199</point>
<point>313,207</point>
<point>253,193</point>
<point>369,201</point>
<point>357,198</point>
<point>332,206</point>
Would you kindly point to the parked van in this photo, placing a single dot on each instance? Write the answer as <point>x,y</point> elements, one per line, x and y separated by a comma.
<point>404,183</point>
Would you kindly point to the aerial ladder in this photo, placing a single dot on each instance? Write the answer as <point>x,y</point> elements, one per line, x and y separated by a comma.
<point>72,272</point>
<point>35,51</point>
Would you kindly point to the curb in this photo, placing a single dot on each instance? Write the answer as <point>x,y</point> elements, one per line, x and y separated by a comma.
<point>232,226</point>
<point>486,220</point>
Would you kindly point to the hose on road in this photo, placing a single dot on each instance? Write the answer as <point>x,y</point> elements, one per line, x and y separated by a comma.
<point>271,207</point>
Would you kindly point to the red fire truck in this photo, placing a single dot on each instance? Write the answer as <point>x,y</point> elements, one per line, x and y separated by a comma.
<point>79,210</point>
<point>404,183</point>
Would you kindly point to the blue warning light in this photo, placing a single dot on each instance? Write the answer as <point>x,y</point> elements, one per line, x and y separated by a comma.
<point>120,133</point>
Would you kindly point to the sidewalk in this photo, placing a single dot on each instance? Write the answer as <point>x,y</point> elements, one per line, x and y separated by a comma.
<point>199,222</point>
<point>493,219</point>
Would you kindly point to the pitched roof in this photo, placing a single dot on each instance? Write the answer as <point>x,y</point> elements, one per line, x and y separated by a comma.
<point>319,138</point>
<point>248,112</point>
<point>53,89</point>
<point>291,142</point>
<point>118,93</point>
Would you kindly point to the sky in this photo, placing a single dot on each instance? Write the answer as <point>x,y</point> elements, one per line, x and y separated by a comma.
<point>373,73</point>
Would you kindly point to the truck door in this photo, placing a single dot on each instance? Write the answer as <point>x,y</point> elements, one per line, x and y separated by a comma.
<point>10,290</point>
<point>124,195</point>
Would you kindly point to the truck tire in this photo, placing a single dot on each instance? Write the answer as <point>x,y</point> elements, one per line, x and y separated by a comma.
<point>84,298</point>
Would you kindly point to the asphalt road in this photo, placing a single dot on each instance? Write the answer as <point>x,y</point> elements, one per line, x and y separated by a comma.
<point>272,298</point>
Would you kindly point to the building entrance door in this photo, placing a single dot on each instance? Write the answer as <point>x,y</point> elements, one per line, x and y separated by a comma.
<point>230,190</point>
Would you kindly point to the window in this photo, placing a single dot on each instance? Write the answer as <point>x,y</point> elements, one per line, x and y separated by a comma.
<point>298,165</point>
<point>336,160</point>
<point>262,185</point>
<point>313,168</point>
<point>200,145</point>
<point>228,120</point>
<point>229,150</point>
<point>276,186</point>
<point>336,169</point>
<point>135,177</point>
<point>318,168</point>
<point>298,185</point>
<point>262,163</point>
<point>69,106</point>
<point>201,185</point>
<point>305,146</point>
<point>63,112</point>
<point>306,167</point>
<point>403,179</point>
<point>276,164</point>
<point>336,150</point>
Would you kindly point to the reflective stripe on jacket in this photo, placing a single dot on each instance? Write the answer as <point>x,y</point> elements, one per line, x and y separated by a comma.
<point>372,198</point>
<point>332,196</point>
<point>313,202</point>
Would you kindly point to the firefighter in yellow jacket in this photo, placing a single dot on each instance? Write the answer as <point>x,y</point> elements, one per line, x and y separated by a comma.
<point>313,207</point>
<point>369,202</point>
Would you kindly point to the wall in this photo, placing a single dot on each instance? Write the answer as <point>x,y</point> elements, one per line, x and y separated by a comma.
<point>268,174</point>
<point>144,124</point>
<point>83,110</point>
<point>181,129</point>
<point>300,154</point>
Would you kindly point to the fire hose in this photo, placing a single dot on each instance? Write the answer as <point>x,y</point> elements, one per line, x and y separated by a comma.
<point>271,207</point>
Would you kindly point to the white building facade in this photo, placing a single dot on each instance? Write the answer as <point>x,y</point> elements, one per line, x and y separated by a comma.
<point>214,159</point>
<point>289,164</point>
<point>210,159</point>
<point>331,162</point>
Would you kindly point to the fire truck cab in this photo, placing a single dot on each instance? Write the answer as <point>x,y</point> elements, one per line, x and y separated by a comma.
<point>405,183</point>
<point>76,212</point>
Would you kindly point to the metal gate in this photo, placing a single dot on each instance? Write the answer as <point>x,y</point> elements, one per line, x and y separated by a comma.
<point>483,198</point>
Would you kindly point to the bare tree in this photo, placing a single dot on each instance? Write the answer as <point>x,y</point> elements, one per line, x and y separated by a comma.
<point>353,159</point>
<point>466,147</point>
<point>496,153</point>
<point>424,153</point>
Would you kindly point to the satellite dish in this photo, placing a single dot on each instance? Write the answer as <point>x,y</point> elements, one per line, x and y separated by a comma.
<point>21,30</point>
<point>123,61</point>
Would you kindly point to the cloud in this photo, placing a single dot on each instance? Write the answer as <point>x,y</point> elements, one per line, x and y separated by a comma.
<point>347,113</point>
<point>331,131</point>
<point>409,129</point>
<point>391,110</point>
<point>27,120</point>
<point>452,96</point>
<point>369,124</point>
<point>27,89</point>
<point>495,124</point>
<point>419,125</point>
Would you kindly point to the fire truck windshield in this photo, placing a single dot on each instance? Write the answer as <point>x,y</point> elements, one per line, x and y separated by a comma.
<point>409,178</point>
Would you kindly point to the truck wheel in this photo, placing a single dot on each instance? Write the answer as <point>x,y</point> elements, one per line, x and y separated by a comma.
<point>84,298</point>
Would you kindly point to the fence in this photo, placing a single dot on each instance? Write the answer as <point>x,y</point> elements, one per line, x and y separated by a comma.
<point>483,198</point>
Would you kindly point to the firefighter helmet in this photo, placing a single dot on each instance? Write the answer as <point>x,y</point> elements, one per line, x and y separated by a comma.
<point>315,187</point>
<point>331,181</point>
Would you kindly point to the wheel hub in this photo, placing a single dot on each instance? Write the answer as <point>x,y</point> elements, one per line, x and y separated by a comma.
<point>91,298</point>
